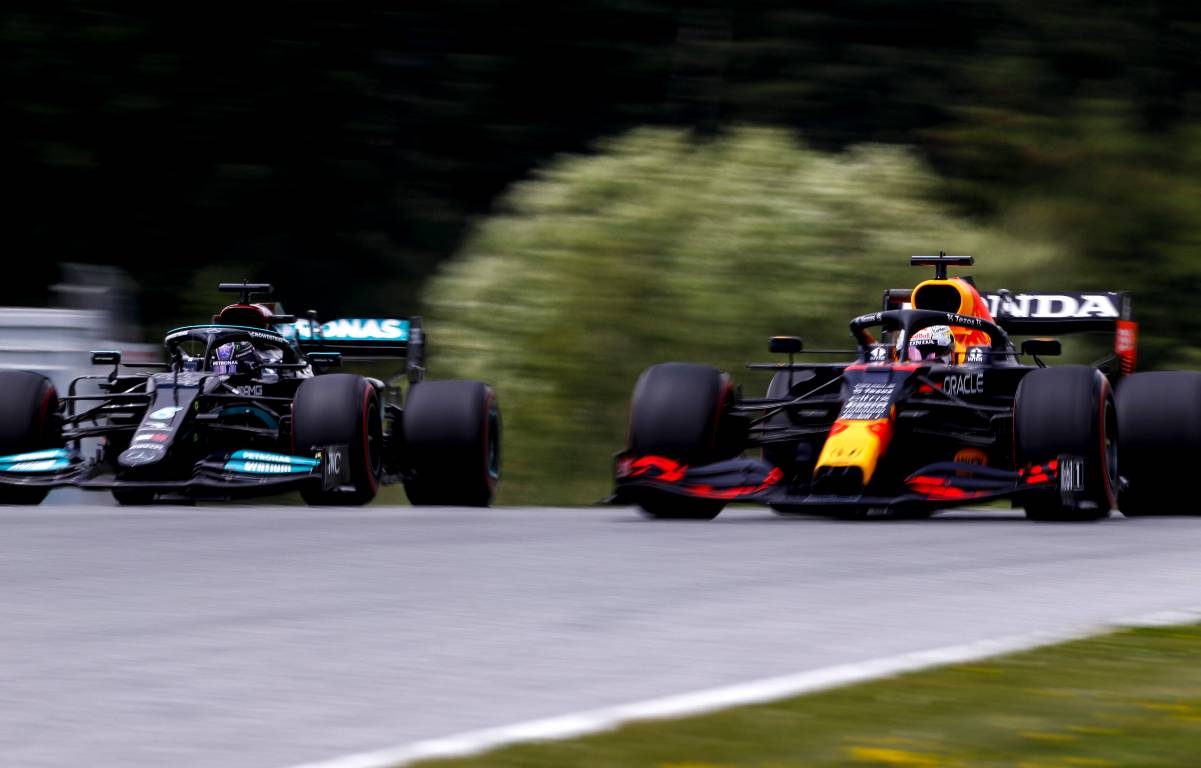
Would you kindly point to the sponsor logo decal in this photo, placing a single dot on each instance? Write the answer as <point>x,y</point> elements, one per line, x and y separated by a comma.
<point>1054,306</point>
<point>356,329</point>
<point>249,390</point>
<point>878,354</point>
<point>972,456</point>
<point>975,355</point>
<point>868,319</point>
<point>868,402</point>
<point>964,384</point>
<point>967,321</point>
<point>335,466</point>
<point>1071,474</point>
<point>265,467</point>
<point>156,425</point>
<point>142,453</point>
<point>165,413</point>
<point>150,437</point>
<point>277,458</point>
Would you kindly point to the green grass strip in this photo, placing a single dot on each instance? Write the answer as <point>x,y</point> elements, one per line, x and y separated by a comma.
<point>1130,698</point>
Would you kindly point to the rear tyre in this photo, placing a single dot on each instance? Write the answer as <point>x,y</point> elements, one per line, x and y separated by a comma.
<point>678,411</point>
<point>451,444</point>
<point>1159,421</point>
<point>28,422</point>
<point>341,409</point>
<point>1068,410</point>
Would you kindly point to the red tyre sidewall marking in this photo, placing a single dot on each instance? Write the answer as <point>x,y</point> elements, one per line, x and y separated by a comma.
<point>1101,435</point>
<point>368,391</point>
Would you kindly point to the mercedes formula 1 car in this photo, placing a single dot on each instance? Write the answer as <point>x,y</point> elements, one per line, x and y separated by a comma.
<point>247,405</point>
<point>940,410</point>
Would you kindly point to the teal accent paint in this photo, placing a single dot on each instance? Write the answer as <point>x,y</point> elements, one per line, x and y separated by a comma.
<point>220,326</point>
<point>42,465</point>
<point>266,468</point>
<point>277,458</point>
<point>50,453</point>
<point>251,410</point>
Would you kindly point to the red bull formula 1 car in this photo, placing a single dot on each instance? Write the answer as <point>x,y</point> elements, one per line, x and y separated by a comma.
<point>940,408</point>
<point>246,405</point>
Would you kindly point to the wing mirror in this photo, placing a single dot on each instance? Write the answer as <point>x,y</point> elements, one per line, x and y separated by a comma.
<point>325,359</point>
<point>785,345</point>
<point>108,357</point>
<point>1042,347</point>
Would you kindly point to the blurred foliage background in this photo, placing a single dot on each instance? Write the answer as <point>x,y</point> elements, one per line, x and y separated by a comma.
<point>659,248</point>
<point>574,191</point>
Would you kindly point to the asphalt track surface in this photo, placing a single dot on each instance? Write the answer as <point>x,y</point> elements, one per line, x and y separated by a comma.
<point>272,636</point>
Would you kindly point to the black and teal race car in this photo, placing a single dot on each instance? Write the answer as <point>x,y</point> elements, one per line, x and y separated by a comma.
<point>249,405</point>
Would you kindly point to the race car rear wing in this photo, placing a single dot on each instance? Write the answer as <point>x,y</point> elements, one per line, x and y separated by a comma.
<point>364,338</point>
<point>1070,312</point>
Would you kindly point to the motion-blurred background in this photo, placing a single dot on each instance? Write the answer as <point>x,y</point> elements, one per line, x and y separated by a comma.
<point>573,191</point>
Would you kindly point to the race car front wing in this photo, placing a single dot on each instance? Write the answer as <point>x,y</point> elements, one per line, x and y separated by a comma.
<point>238,473</point>
<point>938,485</point>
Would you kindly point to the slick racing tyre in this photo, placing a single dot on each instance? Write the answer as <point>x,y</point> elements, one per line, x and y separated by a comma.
<point>28,422</point>
<point>679,411</point>
<point>1068,410</point>
<point>341,409</point>
<point>451,444</point>
<point>1159,424</point>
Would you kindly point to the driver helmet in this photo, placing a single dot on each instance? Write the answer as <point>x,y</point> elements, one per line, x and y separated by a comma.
<point>932,343</point>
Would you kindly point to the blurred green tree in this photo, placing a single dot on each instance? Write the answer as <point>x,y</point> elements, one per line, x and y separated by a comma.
<point>663,247</point>
<point>1125,203</point>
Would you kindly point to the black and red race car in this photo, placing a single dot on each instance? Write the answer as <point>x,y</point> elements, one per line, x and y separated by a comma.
<point>248,405</point>
<point>939,408</point>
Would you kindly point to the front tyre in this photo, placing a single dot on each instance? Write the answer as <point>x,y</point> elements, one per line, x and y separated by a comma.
<point>28,422</point>
<point>1068,410</point>
<point>341,409</point>
<point>679,411</point>
<point>451,444</point>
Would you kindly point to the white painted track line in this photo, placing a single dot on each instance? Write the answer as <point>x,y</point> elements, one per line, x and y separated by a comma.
<point>753,692</point>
